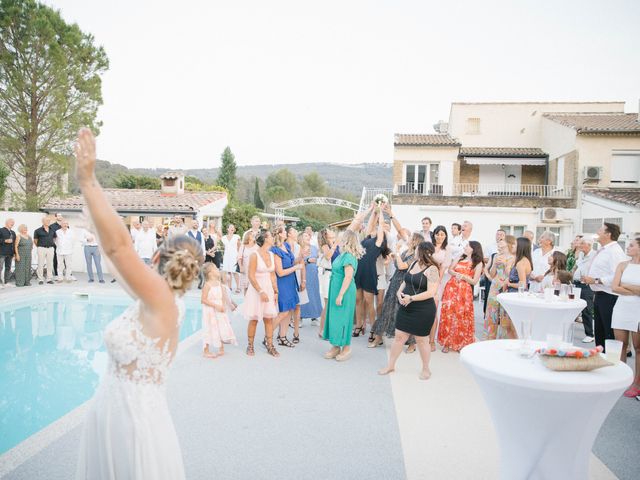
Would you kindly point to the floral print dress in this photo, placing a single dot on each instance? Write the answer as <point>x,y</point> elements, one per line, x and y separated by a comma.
<point>495,311</point>
<point>456,328</point>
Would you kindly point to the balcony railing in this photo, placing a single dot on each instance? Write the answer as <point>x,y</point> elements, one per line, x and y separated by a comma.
<point>502,190</point>
<point>415,188</point>
<point>485,190</point>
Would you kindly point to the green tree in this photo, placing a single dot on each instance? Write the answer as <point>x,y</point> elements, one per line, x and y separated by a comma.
<point>257,201</point>
<point>314,185</point>
<point>4,174</point>
<point>283,178</point>
<point>137,182</point>
<point>239,214</point>
<point>227,176</point>
<point>277,193</point>
<point>50,86</point>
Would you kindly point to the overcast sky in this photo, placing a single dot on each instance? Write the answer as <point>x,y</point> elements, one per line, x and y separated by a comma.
<point>299,81</point>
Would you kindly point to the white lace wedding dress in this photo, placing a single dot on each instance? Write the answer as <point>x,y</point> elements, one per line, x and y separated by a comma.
<point>128,433</point>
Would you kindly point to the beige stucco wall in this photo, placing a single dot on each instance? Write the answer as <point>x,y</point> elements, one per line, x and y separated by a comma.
<point>447,157</point>
<point>513,124</point>
<point>597,151</point>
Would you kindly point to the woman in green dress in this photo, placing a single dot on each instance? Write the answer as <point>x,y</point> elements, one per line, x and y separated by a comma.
<point>341,303</point>
<point>23,247</point>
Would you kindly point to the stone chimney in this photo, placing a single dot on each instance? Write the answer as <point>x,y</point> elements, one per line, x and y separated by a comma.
<point>172,183</point>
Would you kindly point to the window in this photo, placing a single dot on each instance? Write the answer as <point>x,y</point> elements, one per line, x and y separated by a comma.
<point>625,168</point>
<point>473,126</point>
<point>515,230</point>
<point>418,175</point>
<point>592,225</point>
<point>556,233</point>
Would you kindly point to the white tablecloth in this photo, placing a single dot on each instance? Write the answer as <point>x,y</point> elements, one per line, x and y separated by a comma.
<point>545,316</point>
<point>546,421</point>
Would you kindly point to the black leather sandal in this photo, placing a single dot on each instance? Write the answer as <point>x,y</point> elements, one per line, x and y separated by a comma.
<point>284,342</point>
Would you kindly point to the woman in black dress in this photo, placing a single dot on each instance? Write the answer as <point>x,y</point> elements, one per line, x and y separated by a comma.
<point>209,246</point>
<point>367,274</point>
<point>417,310</point>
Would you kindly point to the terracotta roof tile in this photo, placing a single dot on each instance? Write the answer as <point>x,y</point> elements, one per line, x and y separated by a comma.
<point>125,200</point>
<point>502,152</point>
<point>585,123</point>
<point>628,196</point>
<point>419,140</point>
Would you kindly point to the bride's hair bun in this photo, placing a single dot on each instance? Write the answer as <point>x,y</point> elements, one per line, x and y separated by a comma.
<point>180,260</point>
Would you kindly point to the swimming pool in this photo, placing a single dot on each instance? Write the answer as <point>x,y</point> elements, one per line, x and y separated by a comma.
<point>52,356</point>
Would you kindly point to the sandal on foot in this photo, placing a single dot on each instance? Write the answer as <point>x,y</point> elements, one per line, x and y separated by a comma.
<point>411,348</point>
<point>433,347</point>
<point>632,392</point>
<point>358,331</point>
<point>372,337</point>
<point>331,354</point>
<point>296,339</point>
<point>284,342</point>
<point>425,375</point>
<point>250,351</point>
<point>386,371</point>
<point>375,344</point>
<point>445,349</point>
<point>271,350</point>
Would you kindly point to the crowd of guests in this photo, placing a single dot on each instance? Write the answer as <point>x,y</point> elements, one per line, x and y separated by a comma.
<point>376,277</point>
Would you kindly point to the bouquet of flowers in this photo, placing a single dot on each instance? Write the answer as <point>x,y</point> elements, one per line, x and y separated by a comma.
<point>380,199</point>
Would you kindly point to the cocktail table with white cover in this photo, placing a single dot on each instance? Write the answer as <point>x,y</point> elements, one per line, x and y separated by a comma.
<point>546,316</point>
<point>546,421</point>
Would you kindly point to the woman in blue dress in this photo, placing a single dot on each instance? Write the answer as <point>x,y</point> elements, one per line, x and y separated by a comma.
<point>286,268</point>
<point>313,308</point>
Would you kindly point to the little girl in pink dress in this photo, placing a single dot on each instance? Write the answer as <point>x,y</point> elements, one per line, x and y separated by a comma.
<point>216,328</point>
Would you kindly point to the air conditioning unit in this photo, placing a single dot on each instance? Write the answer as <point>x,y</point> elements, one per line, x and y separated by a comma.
<point>592,173</point>
<point>551,215</point>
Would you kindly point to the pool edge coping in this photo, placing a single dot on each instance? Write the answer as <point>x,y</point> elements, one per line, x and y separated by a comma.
<point>37,442</point>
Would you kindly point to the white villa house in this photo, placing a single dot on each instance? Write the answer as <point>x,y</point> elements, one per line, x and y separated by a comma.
<point>156,206</point>
<point>559,166</point>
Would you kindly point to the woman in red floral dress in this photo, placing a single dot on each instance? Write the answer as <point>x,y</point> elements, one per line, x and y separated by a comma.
<point>457,324</point>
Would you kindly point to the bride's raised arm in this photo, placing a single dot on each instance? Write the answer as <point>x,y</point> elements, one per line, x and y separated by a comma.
<point>115,240</point>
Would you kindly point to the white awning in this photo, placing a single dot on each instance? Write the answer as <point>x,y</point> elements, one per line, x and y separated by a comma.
<point>505,161</point>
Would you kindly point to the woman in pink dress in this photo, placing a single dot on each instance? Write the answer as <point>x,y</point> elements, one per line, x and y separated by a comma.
<point>215,300</point>
<point>260,301</point>
<point>246,249</point>
<point>456,312</point>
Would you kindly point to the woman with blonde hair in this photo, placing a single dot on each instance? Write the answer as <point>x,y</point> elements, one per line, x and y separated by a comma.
<point>129,431</point>
<point>286,268</point>
<point>342,297</point>
<point>23,250</point>
<point>246,249</point>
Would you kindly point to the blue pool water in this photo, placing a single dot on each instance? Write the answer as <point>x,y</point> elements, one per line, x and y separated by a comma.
<point>52,355</point>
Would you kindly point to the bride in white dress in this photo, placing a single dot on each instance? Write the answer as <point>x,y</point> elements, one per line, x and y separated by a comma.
<point>128,433</point>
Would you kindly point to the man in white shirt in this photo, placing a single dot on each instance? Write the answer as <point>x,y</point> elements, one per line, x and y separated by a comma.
<point>493,248</point>
<point>540,259</point>
<point>91,254</point>
<point>601,272</point>
<point>177,226</point>
<point>145,243</point>
<point>64,250</point>
<point>457,248</point>
<point>196,234</point>
<point>426,229</point>
<point>135,230</point>
<point>584,256</point>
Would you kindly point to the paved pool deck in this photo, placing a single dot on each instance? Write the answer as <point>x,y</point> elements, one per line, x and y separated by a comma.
<point>303,417</point>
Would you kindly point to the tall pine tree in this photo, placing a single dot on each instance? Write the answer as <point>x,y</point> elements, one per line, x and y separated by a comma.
<point>257,201</point>
<point>227,176</point>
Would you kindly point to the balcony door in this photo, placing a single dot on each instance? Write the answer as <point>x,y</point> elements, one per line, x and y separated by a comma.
<point>500,175</point>
<point>420,177</point>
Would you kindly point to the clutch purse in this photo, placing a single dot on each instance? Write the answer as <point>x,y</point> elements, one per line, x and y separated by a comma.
<point>573,360</point>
